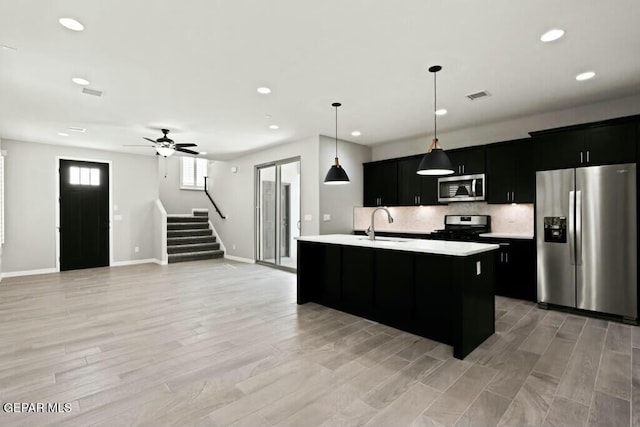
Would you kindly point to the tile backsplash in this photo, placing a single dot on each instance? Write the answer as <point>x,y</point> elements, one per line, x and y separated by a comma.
<point>516,219</point>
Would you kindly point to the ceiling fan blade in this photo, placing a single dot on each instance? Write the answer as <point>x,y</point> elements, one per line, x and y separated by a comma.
<point>149,139</point>
<point>188,144</point>
<point>138,145</point>
<point>184,150</point>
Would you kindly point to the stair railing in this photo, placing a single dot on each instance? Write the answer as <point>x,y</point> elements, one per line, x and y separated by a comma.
<point>211,199</point>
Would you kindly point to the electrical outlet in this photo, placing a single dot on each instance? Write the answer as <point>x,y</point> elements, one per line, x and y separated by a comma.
<point>136,249</point>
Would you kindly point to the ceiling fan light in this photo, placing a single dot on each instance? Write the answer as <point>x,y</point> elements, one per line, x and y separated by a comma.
<point>165,151</point>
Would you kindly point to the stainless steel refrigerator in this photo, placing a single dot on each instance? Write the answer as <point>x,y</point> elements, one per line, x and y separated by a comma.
<point>586,238</point>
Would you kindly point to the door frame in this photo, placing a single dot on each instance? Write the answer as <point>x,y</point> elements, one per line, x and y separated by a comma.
<point>257,207</point>
<point>56,172</point>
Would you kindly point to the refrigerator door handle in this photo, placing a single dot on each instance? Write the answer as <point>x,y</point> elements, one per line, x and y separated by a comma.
<point>571,229</point>
<point>578,227</point>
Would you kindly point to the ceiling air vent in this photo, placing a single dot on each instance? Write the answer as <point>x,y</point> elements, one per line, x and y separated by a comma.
<point>93,92</point>
<point>477,95</point>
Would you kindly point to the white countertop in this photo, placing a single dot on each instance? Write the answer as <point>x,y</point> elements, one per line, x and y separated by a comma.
<point>508,236</point>
<point>439,247</point>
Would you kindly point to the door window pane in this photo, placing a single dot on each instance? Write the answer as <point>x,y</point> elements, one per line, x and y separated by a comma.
<point>74,175</point>
<point>95,177</point>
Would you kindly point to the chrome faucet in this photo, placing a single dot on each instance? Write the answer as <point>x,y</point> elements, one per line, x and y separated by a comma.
<point>371,231</point>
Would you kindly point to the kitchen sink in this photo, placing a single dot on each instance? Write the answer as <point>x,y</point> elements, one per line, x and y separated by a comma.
<point>386,239</point>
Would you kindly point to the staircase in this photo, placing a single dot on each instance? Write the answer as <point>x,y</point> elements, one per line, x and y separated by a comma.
<point>189,238</point>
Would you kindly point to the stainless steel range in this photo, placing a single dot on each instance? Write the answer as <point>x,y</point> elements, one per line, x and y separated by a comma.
<point>463,227</point>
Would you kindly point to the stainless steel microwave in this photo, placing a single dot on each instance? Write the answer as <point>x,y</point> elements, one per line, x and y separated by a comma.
<point>465,188</point>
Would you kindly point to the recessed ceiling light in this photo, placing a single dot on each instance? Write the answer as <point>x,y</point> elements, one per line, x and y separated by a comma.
<point>585,76</point>
<point>441,112</point>
<point>356,133</point>
<point>80,81</point>
<point>63,134</point>
<point>552,35</point>
<point>264,90</point>
<point>77,129</point>
<point>71,24</point>
<point>274,127</point>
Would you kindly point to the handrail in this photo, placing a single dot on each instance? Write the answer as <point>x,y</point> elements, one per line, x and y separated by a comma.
<point>209,196</point>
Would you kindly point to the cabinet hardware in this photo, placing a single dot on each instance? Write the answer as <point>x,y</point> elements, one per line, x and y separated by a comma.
<point>501,256</point>
<point>587,156</point>
<point>419,199</point>
<point>581,157</point>
<point>507,196</point>
<point>506,257</point>
<point>513,196</point>
<point>462,168</point>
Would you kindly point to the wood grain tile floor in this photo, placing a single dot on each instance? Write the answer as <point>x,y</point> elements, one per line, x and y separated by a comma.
<point>218,343</point>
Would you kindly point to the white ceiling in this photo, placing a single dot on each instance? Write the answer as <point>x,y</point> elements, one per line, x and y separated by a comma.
<point>193,66</point>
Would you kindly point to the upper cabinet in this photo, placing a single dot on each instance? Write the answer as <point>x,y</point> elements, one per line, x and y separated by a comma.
<point>414,189</point>
<point>510,172</point>
<point>467,161</point>
<point>381,183</point>
<point>589,145</point>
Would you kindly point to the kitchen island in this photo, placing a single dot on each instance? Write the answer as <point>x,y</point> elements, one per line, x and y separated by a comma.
<point>437,289</point>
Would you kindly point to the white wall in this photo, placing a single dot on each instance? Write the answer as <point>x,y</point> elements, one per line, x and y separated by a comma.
<point>30,182</point>
<point>510,129</point>
<point>339,200</point>
<point>234,193</point>
<point>174,199</point>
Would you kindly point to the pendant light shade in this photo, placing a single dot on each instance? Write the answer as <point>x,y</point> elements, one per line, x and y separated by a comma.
<point>436,161</point>
<point>336,174</point>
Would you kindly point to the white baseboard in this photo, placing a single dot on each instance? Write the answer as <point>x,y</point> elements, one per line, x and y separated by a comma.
<point>135,261</point>
<point>240,259</point>
<point>28,272</point>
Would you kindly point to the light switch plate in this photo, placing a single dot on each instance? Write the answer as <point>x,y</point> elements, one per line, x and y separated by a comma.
<point>326,217</point>
<point>478,269</point>
<point>308,217</point>
<point>117,217</point>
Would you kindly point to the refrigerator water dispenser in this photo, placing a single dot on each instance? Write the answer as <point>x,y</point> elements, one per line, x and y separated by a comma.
<point>555,229</point>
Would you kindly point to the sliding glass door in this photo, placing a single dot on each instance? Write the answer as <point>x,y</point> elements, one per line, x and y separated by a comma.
<point>278,212</point>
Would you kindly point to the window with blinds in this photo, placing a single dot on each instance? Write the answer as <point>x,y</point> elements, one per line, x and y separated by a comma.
<point>192,173</point>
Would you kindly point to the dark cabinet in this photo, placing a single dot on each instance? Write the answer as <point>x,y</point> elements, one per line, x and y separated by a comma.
<point>381,183</point>
<point>357,280</point>
<point>393,287</point>
<point>467,161</point>
<point>510,172</point>
<point>586,146</point>
<point>515,268</point>
<point>414,189</point>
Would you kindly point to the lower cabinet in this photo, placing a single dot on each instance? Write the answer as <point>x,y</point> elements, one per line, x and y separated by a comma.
<point>393,287</point>
<point>446,298</point>
<point>516,269</point>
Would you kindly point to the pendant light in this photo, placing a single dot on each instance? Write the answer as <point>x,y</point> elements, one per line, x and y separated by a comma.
<point>336,174</point>
<point>436,161</point>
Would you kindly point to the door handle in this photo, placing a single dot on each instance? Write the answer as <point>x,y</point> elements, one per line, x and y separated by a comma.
<point>578,227</point>
<point>473,186</point>
<point>572,228</point>
<point>298,225</point>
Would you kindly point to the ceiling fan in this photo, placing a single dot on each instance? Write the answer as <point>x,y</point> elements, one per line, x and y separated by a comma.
<point>165,146</point>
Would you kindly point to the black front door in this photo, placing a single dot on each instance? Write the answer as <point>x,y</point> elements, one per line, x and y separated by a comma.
<point>84,214</point>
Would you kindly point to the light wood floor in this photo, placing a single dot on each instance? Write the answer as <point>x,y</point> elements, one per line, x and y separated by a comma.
<point>221,343</point>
